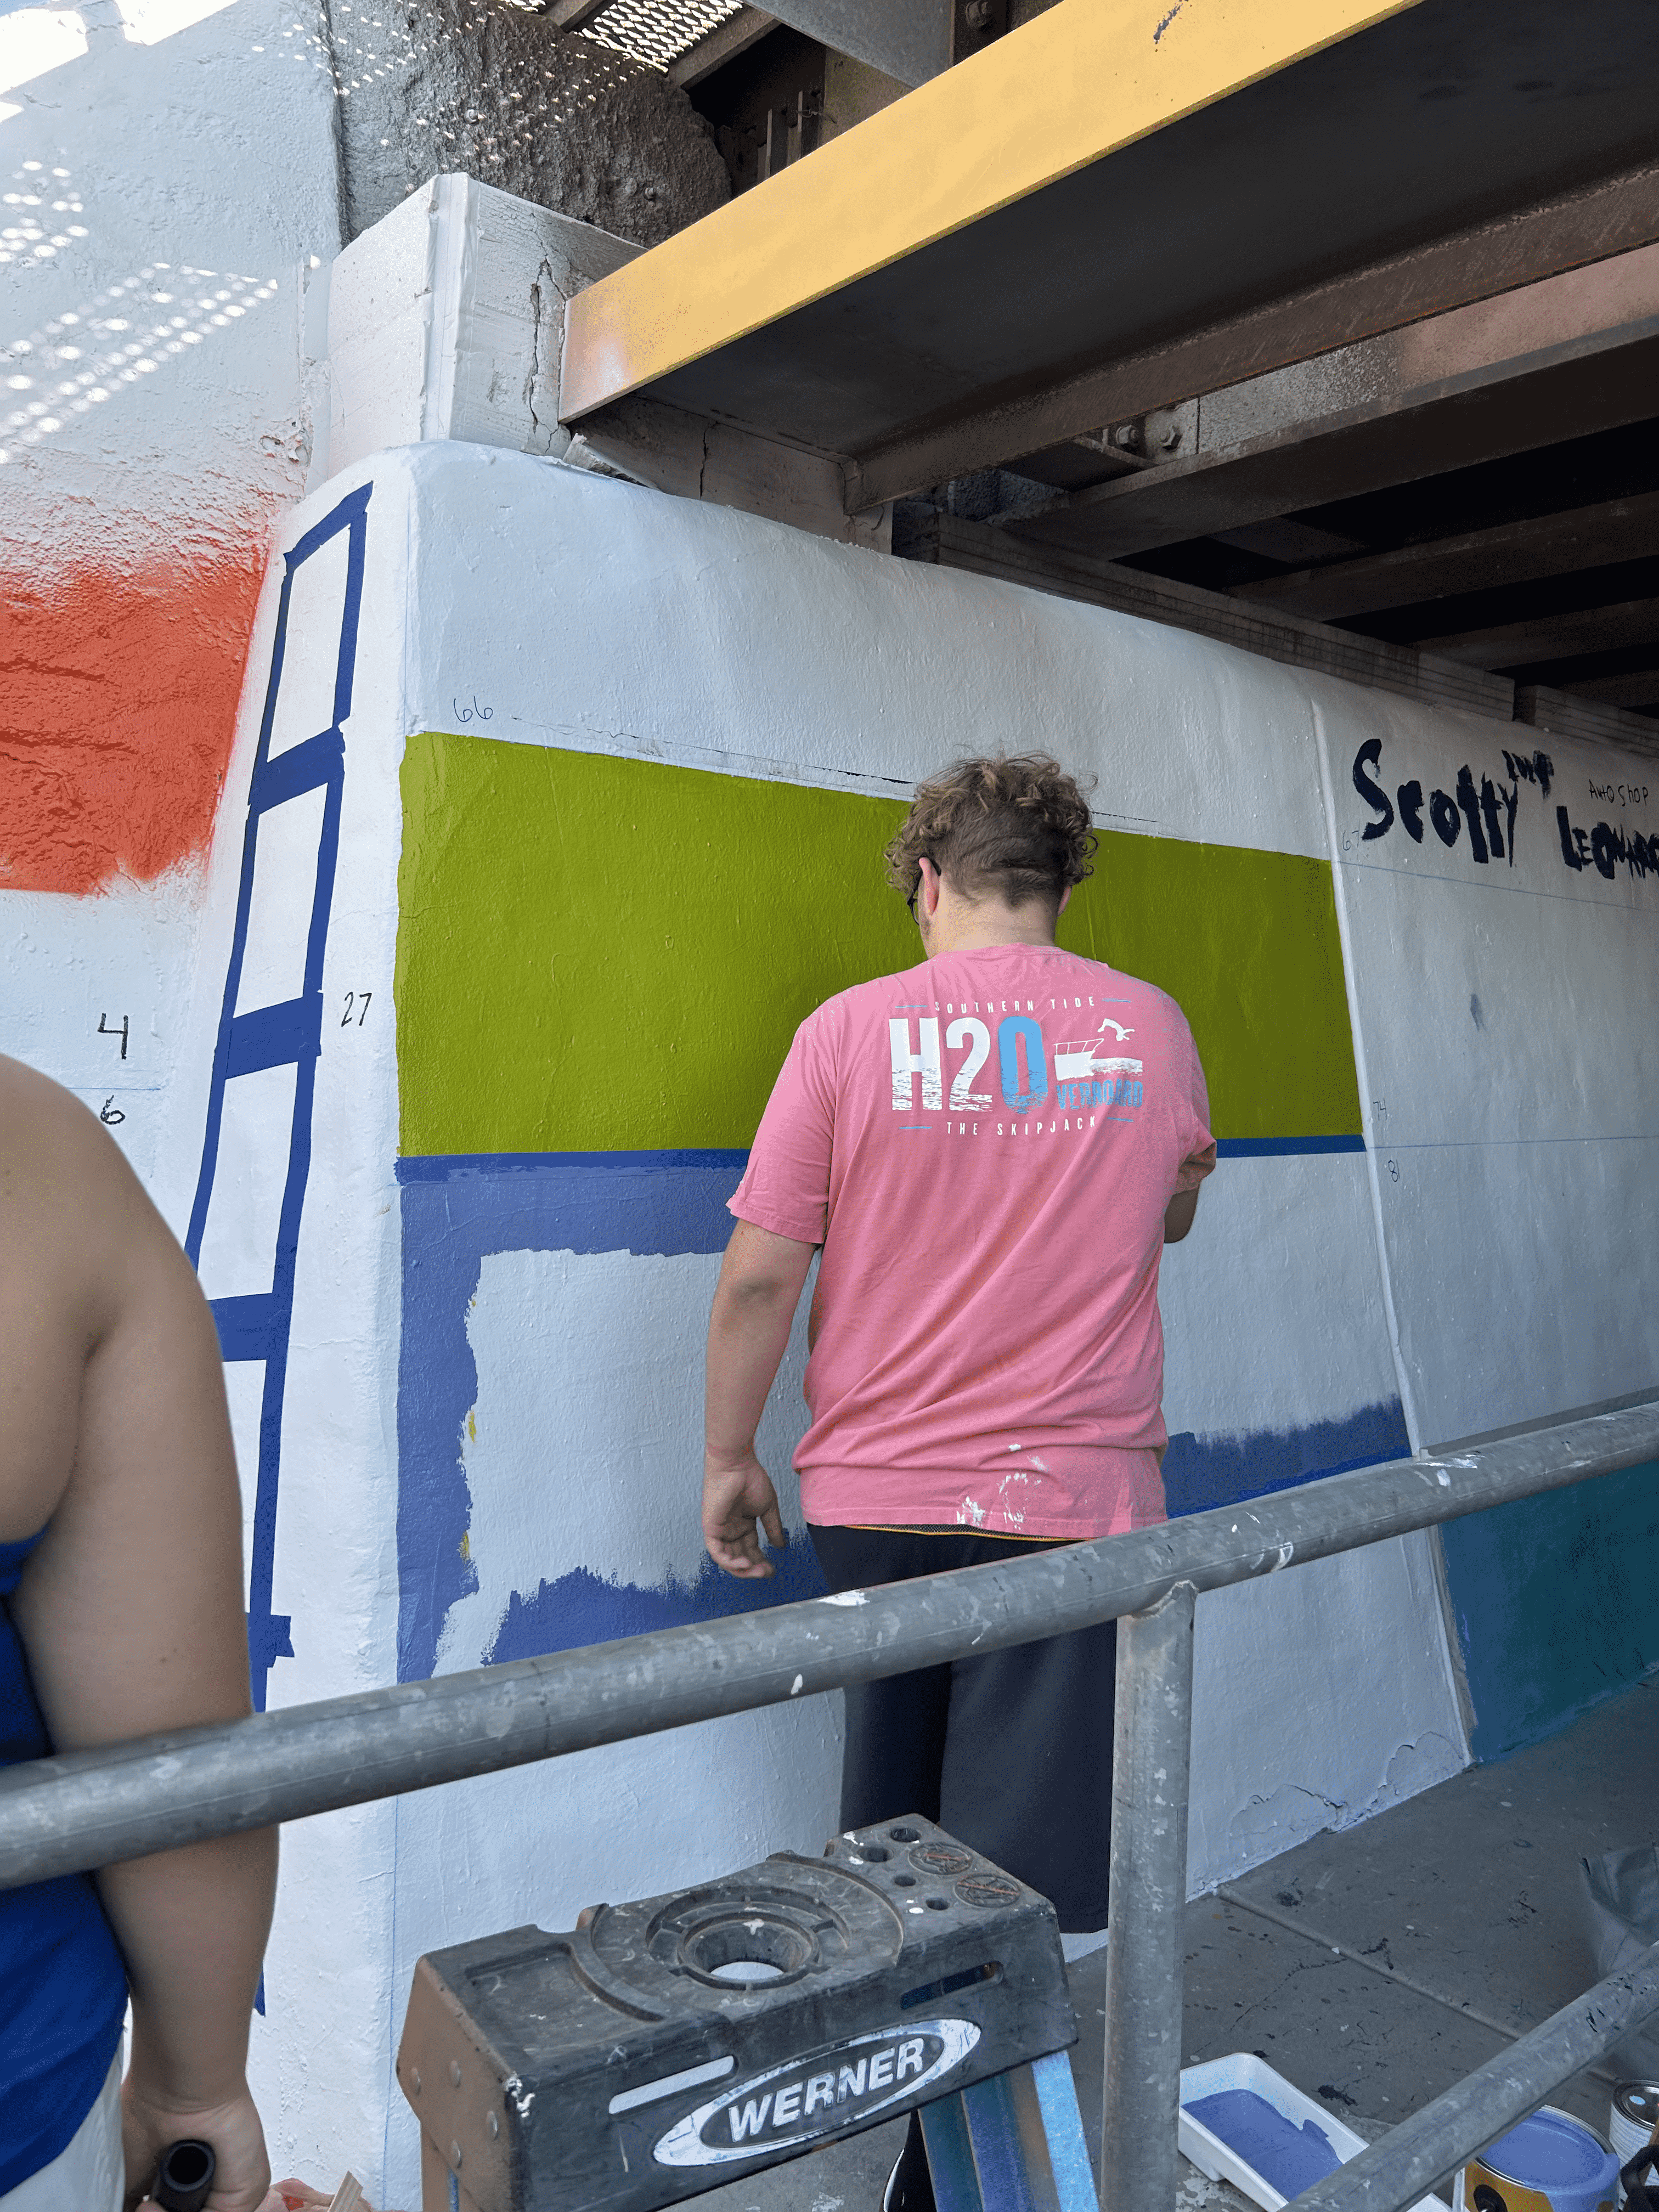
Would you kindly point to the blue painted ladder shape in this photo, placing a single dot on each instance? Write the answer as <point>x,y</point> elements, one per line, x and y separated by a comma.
<point>258,1327</point>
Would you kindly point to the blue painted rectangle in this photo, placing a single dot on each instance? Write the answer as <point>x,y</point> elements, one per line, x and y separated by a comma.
<point>1553,1598</point>
<point>456,1209</point>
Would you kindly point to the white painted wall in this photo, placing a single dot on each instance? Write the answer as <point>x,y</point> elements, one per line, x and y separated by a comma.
<point>677,626</point>
<point>1505,1010</point>
<point>590,615</point>
<point>168,177</point>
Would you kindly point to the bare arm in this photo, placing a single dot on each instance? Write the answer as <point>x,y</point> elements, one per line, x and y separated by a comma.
<point>1178,1215</point>
<point>132,1609</point>
<point>755,1302</point>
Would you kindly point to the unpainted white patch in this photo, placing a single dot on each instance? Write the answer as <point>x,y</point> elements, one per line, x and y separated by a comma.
<point>584,1450</point>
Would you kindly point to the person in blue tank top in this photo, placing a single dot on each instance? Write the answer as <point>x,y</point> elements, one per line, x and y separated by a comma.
<point>120,1614</point>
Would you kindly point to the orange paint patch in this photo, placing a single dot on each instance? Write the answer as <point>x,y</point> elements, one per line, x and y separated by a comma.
<point>118,689</point>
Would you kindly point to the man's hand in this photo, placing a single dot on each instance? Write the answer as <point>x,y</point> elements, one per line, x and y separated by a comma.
<point>755,1301</point>
<point>151,2122</point>
<point>734,1497</point>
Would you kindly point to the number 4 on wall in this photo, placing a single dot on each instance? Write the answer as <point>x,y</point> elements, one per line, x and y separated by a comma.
<point>122,1032</point>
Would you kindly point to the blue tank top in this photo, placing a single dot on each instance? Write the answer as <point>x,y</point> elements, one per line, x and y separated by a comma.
<point>63,1986</point>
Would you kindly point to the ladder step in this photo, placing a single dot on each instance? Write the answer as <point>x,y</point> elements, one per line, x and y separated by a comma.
<point>300,768</point>
<point>251,1328</point>
<point>275,1037</point>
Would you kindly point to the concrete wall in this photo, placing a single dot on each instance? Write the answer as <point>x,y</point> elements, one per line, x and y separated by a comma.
<point>176,176</point>
<point>534,769</point>
<point>607,757</point>
<point>154,422</point>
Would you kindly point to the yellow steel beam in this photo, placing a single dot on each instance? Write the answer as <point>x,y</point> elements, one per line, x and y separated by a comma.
<point>1083,80</point>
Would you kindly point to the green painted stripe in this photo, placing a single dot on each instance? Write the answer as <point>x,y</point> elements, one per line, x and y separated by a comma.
<point>1247,943</point>
<point>603,955</point>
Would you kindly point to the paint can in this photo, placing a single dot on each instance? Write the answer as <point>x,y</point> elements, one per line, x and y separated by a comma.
<point>1634,2120</point>
<point>1550,2163</point>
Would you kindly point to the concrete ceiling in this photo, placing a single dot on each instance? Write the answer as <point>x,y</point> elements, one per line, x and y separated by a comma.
<point>1202,292</point>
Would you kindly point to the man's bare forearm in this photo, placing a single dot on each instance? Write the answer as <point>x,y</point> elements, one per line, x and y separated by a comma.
<point>748,1333</point>
<point>755,1302</point>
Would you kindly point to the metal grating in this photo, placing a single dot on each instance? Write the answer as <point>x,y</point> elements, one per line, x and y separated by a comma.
<point>657,32</point>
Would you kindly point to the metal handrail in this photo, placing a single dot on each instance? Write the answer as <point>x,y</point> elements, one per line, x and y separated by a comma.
<point>1428,2148</point>
<point>91,1808</point>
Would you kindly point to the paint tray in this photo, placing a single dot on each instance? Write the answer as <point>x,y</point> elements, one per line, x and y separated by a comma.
<point>1220,2161</point>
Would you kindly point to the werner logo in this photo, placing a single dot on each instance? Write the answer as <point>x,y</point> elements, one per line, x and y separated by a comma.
<point>814,2095</point>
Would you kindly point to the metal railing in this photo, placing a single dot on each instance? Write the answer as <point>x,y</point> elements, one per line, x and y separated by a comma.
<point>87,1810</point>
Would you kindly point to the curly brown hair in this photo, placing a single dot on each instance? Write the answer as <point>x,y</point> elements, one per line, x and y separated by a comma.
<point>1016,826</point>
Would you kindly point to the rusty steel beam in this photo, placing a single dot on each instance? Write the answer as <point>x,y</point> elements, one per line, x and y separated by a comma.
<point>1572,232</point>
<point>1565,356</point>
<point>721,45</point>
<point>1476,560</point>
<point>949,542</point>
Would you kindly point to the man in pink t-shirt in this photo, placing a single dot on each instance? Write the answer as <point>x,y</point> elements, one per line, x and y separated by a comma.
<point>990,1152</point>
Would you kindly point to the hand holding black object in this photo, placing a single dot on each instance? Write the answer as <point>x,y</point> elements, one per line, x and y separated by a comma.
<point>1641,2197</point>
<point>184,2180</point>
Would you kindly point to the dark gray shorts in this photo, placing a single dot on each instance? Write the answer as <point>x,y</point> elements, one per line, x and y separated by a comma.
<point>1012,1753</point>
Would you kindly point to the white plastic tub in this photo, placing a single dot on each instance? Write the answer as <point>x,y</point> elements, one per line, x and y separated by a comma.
<point>1221,2162</point>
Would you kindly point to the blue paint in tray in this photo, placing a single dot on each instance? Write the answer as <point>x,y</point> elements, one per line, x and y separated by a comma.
<point>1292,2158</point>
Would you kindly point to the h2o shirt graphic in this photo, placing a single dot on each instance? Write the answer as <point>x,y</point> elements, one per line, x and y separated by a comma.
<point>985,1148</point>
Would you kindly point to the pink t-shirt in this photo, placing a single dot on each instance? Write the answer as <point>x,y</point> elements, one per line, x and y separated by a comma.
<point>985,1148</point>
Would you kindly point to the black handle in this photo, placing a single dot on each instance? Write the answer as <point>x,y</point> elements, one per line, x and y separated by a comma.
<point>185,2177</point>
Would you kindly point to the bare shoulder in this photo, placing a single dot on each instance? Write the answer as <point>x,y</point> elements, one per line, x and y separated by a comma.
<point>79,1245</point>
<point>63,1178</point>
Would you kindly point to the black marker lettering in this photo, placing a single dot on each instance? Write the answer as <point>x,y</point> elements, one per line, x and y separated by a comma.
<point>1444,816</point>
<point>1565,828</point>
<point>1410,796</point>
<point>1471,807</point>
<point>1372,751</point>
<point>1489,816</point>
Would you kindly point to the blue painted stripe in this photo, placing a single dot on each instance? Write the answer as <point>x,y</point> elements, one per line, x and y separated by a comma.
<point>1277,1148</point>
<point>260,1328</point>
<point>445,1167</point>
<point>1199,1472</point>
<point>581,1608</point>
